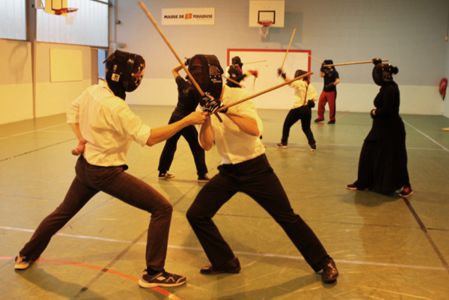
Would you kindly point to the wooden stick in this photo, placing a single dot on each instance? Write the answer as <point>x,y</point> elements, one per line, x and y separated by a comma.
<point>232,80</point>
<point>353,63</point>
<point>288,48</point>
<point>224,107</point>
<point>151,18</point>
<point>255,62</point>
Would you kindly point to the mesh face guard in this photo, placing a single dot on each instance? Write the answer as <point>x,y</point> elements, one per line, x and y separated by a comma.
<point>125,69</point>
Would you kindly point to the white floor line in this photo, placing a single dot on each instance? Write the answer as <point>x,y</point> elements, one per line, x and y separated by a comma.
<point>427,136</point>
<point>268,255</point>
<point>31,131</point>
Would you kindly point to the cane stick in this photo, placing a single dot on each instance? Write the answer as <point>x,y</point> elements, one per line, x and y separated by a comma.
<point>352,63</point>
<point>156,26</point>
<point>233,81</point>
<point>288,48</point>
<point>255,62</point>
<point>224,107</point>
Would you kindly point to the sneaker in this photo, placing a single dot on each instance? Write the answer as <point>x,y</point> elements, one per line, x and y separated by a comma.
<point>331,122</point>
<point>329,273</point>
<point>313,147</point>
<point>166,176</point>
<point>203,178</point>
<point>281,146</point>
<point>352,187</point>
<point>406,191</point>
<point>22,263</point>
<point>318,120</point>
<point>232,267</point>
<point>161,279</point>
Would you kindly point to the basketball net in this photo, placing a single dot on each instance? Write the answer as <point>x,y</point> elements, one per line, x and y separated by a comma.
<point>264,29</point>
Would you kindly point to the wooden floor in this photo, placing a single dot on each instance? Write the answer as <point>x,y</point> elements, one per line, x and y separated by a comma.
<point>385,247</point>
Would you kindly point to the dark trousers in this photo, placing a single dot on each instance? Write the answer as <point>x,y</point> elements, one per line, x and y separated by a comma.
<point>114,181</point>
<point>330,98</point>
<point>303,113</point>
<point>191,135</point>
<point>257,179</point>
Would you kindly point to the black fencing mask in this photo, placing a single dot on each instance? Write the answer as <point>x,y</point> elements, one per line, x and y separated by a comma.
<point>383,73</point>
<point>124,71</point>
<point>326,69</point>
<point>208,73</point>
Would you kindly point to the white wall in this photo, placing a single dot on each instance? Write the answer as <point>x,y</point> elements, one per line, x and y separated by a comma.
<point>16,82</point>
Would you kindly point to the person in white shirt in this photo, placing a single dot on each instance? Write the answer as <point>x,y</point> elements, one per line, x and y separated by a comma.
<point>105,127</point>
<point>305,97</point>
<point>245,168</point>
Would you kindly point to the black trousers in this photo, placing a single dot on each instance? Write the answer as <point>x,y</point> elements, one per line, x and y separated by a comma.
<point>191,135</point>
<point>303,113</point>
<point>257,179</point>
<point>116,182</point>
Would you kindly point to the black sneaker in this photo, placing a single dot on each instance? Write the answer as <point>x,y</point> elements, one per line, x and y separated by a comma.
<point>331,122</point>
<point>161,279</point>
<point>281,146</point>
<point>406,191</point>
<point>329,273</point>
<point>352,187</point>
<point>203,178</point>
<point>318,120</point>
<point>233,267</point>
<point>313,147</point>
<point>166,176</point>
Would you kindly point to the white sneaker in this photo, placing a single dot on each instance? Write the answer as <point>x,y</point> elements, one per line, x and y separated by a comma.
<point>21,263</point>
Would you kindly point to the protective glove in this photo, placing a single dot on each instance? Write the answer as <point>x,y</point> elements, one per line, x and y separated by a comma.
<point>281,73</point>
<point>209,104</point>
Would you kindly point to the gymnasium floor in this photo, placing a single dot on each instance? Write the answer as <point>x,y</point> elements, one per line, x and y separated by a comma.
<point>385,247</point>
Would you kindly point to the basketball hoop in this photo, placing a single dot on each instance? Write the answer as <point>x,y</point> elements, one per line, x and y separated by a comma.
<point>264,29</point>
<point>64,11</point>
<point>56,7</point>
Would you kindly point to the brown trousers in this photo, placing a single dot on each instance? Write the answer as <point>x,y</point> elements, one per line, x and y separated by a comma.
<point>116,182</point>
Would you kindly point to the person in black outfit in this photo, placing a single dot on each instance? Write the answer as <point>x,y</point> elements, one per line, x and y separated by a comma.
<point>187,103</point>
<point>383,158</point>
<point>236,74</point>
<point>329,94</point>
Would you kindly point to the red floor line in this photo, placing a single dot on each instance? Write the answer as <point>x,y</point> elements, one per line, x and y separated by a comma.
<point>132,278</point>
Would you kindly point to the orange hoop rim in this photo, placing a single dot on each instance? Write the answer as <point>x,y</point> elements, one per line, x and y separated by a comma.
<point>265,23</point>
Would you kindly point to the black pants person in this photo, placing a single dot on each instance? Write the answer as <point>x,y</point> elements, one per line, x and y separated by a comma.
<point>303,113</point>
<point>116,182</point>
<point>257,179</point>
<point>191,135</point>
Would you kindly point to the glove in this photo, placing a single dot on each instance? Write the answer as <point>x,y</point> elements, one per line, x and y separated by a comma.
<point>187,62</point>
<point>311,103</point>
<point>281,73</point>
<point>255,73</point>
<point>208,104</point>
<point>377,60</point>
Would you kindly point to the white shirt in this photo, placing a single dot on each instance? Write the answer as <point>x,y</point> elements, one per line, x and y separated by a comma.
<point>107,124</point>
<point>234,145</point>
<point>300,87</point>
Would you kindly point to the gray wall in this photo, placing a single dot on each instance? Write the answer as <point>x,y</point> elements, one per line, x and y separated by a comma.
<point>408,33</point>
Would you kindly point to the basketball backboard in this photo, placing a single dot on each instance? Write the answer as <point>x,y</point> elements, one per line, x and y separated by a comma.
<point>263,11</point>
